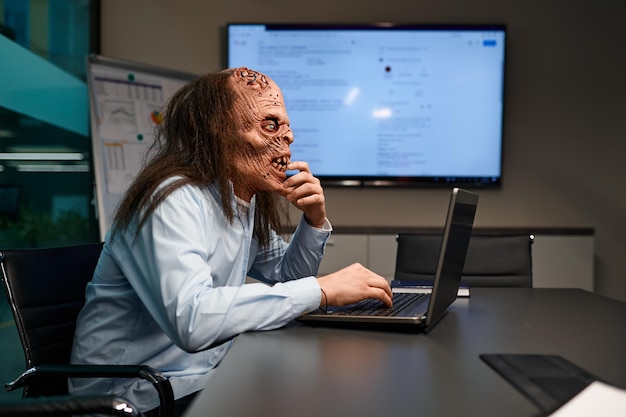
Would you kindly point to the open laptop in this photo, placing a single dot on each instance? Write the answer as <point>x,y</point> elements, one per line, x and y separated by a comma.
<point>424,310</point>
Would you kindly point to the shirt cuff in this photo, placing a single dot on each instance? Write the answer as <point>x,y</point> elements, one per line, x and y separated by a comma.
<point>305,294</point>
<point>326,227</point>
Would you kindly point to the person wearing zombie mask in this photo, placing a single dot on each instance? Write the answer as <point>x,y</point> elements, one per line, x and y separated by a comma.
<point>170,287</point>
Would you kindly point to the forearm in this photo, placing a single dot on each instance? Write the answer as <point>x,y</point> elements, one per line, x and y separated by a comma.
<point>300,258</point>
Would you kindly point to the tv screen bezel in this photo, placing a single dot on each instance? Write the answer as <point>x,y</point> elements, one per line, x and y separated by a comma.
<point>401,181</point>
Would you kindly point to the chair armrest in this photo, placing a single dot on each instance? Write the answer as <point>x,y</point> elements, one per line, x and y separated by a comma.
<point>160,383</point>
<point>69,405</point>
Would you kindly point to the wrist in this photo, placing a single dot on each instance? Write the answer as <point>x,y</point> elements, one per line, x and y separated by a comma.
<point>324,301</point>
<point>316,224</point>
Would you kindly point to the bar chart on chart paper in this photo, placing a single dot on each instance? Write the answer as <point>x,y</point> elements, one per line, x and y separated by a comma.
<point>126,104</point>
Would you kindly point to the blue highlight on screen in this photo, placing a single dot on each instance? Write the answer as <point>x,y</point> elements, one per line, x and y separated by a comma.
<point>489,42</point>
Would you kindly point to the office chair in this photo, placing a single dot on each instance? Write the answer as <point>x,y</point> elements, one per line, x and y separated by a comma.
<point>68,405</point>
<point>491,261</point>
<point>46,291</point>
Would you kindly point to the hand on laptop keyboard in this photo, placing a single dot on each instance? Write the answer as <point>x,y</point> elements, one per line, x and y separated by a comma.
<point>376,308</point>
<point>353,284</point>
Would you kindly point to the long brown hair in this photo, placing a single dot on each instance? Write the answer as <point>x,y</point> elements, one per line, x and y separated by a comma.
<point>197,141</point>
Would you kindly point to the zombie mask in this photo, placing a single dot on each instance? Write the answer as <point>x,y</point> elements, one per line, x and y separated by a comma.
<point>262,159</point>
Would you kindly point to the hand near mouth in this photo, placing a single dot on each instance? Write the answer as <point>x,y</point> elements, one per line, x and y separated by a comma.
<point>305,192</point>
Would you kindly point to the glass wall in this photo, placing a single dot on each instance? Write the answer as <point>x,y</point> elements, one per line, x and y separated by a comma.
<point>46,180</point>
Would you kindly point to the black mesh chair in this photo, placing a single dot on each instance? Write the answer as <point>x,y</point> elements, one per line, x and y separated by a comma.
<point>491,261</point>
<point>46,291</point>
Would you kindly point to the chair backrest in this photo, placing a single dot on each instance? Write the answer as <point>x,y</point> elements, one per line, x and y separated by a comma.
<point>46,291</point>
<point>491,261</point>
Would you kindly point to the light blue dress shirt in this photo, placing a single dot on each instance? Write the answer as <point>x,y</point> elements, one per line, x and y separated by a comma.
<point>173,296</point>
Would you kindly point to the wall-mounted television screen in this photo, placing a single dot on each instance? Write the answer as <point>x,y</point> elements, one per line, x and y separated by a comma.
<point>385,104</point>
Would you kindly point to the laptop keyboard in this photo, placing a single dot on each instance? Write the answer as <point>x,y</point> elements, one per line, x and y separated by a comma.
<point>371,307</point>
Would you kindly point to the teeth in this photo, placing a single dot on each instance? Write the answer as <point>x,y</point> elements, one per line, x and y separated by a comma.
<point>281,163</point>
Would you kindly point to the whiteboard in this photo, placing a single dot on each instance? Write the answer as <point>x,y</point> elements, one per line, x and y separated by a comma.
<point>125,99</point>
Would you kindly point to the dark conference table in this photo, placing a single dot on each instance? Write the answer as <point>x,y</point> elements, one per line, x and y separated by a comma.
<point>305,371</point>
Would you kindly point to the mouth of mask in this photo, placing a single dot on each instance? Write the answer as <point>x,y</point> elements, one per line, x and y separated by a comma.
<point>281,163</point>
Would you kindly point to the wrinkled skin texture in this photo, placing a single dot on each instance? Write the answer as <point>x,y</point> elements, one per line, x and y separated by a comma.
<point>265,154</point>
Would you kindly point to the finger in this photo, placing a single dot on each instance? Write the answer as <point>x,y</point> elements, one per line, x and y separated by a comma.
<point>298,191</point>
<point>295,180</point>
<point>300,178</point>
<point>381,284</point>
<point>313,201</point>
<point>385,297</point>
<point>311,204</point>
<point>299,166</point>
<point>305,188</point>
<point>388,289</point>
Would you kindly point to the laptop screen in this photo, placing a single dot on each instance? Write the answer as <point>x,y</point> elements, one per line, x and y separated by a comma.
<point>454,245</point>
